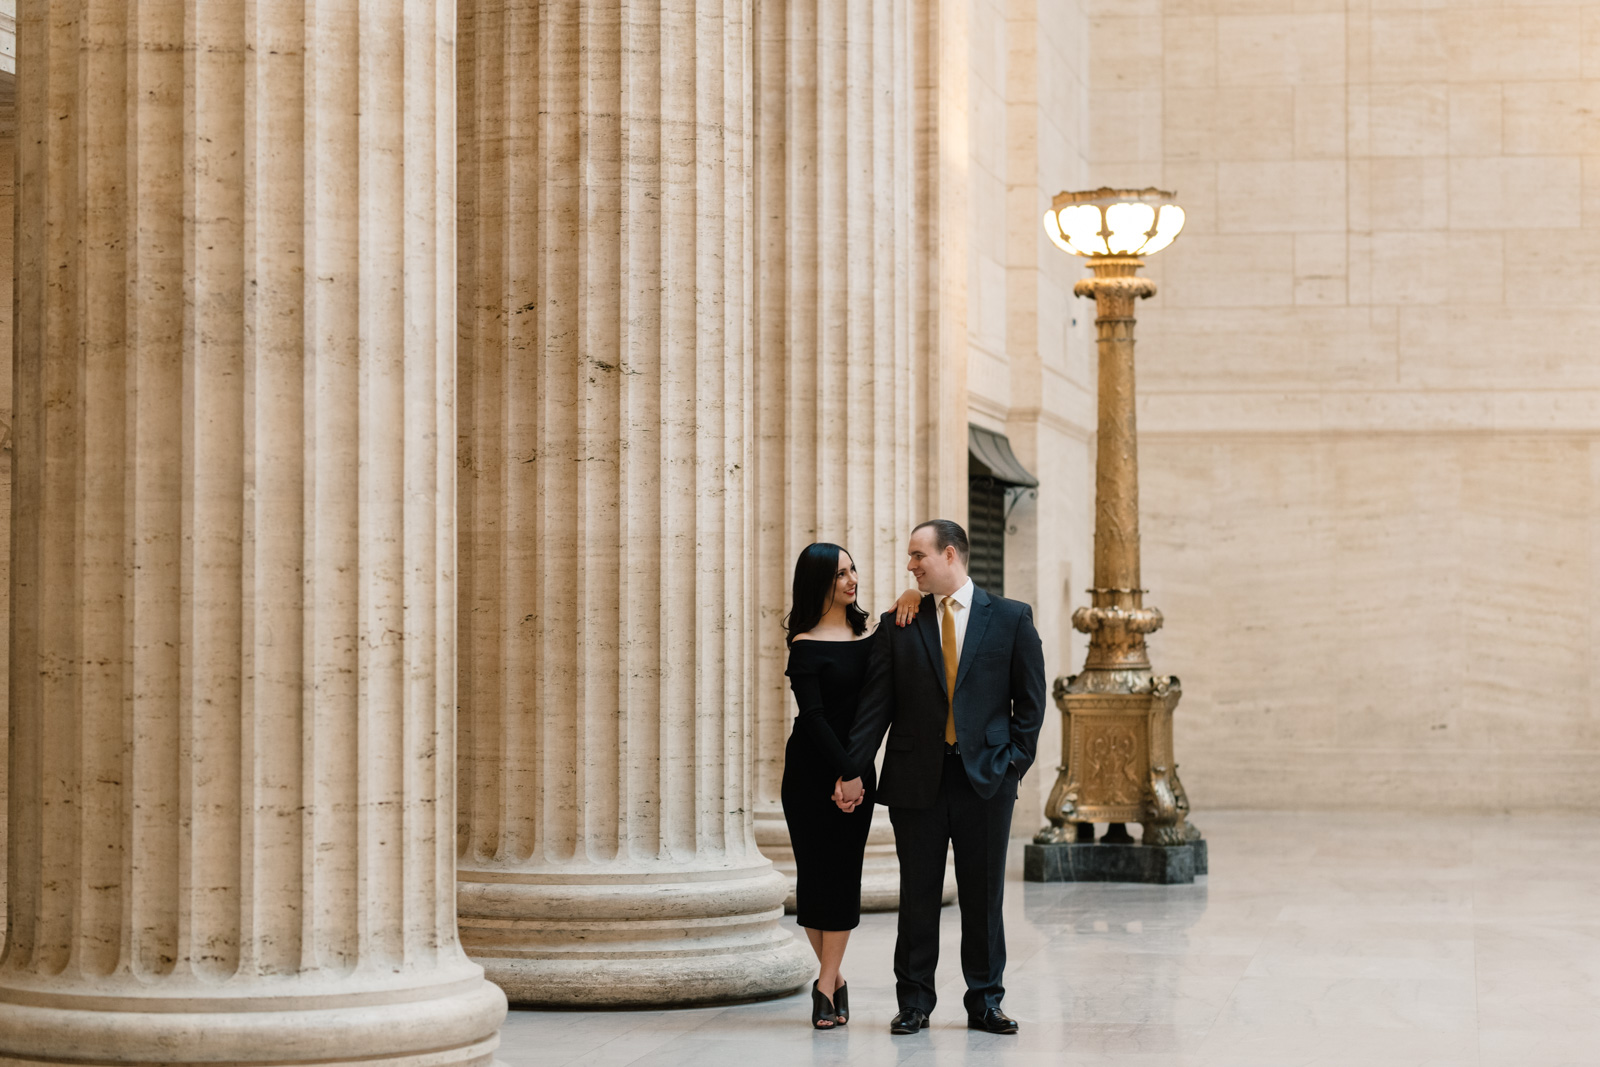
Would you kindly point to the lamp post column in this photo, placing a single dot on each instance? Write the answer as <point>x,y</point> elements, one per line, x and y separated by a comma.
<point>1117,752</point>
<point>1116,620</point>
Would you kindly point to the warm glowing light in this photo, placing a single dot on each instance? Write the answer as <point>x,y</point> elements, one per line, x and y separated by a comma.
<point>1167,227</point>
<point>1113,222</point>
<point>1052,230</point>
<point>1081,224</point>
<point>1130,226</point>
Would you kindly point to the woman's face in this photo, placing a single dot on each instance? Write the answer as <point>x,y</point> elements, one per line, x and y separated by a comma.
<point>844,581</point>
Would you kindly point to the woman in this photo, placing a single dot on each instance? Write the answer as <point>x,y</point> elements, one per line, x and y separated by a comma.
<point>828,651</point>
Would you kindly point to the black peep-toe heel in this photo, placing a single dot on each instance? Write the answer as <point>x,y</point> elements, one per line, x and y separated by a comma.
<point>841,1002</point>
<point>822,1011</point>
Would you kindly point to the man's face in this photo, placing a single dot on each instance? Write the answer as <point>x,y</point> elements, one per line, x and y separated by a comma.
<point>935,571</point>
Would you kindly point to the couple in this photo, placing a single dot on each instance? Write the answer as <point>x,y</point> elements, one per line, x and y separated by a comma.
<point>960,691</point>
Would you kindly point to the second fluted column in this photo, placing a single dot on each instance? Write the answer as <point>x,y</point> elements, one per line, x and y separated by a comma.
<point>606,849</point>
<point>844,341</point>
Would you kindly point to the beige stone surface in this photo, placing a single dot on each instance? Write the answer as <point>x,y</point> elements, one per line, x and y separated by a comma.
<point>1366,429</point>
<point>846,422</point>
<point>1345,938</point>
<point>8,37</point>
<point>1030,343</point>
<point>231,674</point>
<point>606,843</point>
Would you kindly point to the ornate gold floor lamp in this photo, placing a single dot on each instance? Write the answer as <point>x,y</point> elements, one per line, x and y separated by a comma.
<point>1117,757</point>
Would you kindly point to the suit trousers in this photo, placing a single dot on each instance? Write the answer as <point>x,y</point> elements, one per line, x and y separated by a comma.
<point>980,830</point>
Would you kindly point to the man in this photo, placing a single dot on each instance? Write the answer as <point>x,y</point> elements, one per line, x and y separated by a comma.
<point>961,694</point>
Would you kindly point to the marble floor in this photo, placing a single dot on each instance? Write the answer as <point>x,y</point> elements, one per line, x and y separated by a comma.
<point>1320,939</point>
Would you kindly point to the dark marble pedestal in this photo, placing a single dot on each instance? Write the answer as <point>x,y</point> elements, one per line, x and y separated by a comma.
<point>1101,862</point>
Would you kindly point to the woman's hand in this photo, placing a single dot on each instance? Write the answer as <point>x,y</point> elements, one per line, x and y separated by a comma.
<point>905,609</point>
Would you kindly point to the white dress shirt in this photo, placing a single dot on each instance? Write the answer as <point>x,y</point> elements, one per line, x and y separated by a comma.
<point>963,602</point>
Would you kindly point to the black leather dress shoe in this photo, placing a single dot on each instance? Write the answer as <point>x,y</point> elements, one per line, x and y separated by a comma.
<point>908,1021</point>
<point>994,1021</point>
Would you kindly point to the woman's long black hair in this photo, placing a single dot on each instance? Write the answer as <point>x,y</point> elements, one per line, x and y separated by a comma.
<point>815,573</point>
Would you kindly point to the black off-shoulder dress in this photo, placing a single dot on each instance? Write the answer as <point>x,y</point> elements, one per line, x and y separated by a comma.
<point>826,677</point>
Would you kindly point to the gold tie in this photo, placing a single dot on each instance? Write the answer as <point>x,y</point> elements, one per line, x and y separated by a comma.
<point>951,660</point>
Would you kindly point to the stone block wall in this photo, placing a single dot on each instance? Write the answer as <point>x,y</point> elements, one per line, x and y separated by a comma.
<point>1370,398</point>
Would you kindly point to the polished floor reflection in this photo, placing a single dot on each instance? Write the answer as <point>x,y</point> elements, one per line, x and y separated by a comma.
<point>1320,940</point>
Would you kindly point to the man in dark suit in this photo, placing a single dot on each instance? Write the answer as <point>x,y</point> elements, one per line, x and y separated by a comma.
<point>961,693</point>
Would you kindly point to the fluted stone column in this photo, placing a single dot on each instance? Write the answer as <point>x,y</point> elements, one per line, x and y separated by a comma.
<point>232,666</point>
<point>843,356</point>
<point>606,847</point>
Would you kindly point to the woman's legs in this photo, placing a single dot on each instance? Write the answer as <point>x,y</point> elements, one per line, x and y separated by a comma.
<point>827,849</point>
<point>829,945</point>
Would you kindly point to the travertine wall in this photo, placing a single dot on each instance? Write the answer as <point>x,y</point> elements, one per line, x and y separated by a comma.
<point>1030,341</point>
<point>8,36</point>
<point>1370,399</point>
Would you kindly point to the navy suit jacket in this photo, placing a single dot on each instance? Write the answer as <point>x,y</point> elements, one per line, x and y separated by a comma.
<point>999,702</point>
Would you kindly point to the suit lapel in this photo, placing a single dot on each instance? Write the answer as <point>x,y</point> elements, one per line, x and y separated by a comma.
<point>977,623</point>
<point>928,626</point>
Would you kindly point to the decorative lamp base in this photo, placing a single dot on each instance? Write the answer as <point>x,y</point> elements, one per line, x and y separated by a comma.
<point>1151,864</point>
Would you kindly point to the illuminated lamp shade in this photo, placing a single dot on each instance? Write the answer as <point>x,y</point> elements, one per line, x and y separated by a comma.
<point>1052,230</point>
<point>1130,226</point>
<point>1113,222</point>
<point>1083,228</point>
<point>1167,227</point>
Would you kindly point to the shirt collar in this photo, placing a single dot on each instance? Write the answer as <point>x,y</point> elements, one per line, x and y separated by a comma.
<point>963,596</point>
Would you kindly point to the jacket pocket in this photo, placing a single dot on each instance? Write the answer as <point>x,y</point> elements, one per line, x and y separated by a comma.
<point>900,743</point>
<point>998,733</point>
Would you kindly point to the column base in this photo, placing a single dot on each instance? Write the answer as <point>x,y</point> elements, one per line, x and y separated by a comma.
<point>671,982</point>
<point>880,868</point>
<point>647,938</point>
<point>456,1026</point>
<point>1100,862</point>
